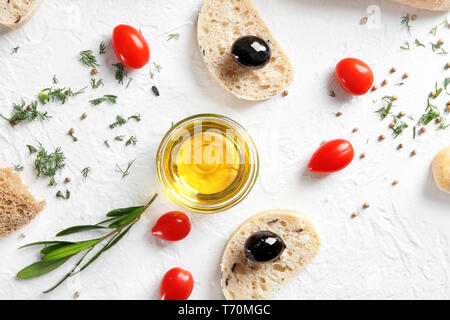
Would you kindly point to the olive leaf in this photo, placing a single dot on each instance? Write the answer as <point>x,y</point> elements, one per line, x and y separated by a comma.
<point>40,268</point>
<point>57,253</point>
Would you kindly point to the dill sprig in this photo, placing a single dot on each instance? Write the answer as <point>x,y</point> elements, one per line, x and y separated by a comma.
<point>102,47</point>
<point>446,82</point>
<point>155,69</point>
<point>58,94</point>
<point>438,48</point>
<point>106,143</point>
<point>107,97</point>
<point>85,172</point>
<point>173,36</point>
<point>14,50</point>
<point>48,164</point>
<point>25,113</point>
<point>399,127</point>
<point>118,223</point>
<point>405,21</point>
<point>385,110</point>
<point>132,140</point>
<point>88,59</point>
<point>60,195</point>
<point>119,138</point>
<point>96,84</point>
<point>136,117</point>
<point>405,46</point>
<point>119,122</point>
<point>437,91</point>
<point>431,113</point>
<point>331,93</point>
<point>18,167</point>
<point>125,172</point>
<point>418,43</point>
<point>433,31</point>
<point>121,73</point>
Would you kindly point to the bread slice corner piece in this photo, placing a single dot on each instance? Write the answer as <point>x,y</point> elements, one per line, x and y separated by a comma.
<point>17,205</point>
<point>439,5</point>
<point>242,279</point>
<point>15,13</point>
<point>220,23</point>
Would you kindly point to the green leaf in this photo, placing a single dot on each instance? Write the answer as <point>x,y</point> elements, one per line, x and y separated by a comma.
<point>79,229</point>
<point>128,218</point>
<point>121,212</point>
<point>40,268</point>
<point>70,250</point>
<point>118,238</point>
<point>49,249</point>
<point>44,243</point>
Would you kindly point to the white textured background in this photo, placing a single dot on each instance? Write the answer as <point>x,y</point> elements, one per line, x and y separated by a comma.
<point>398,248</point>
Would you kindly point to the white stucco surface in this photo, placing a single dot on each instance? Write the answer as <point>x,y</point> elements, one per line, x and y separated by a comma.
<point>398,248</point>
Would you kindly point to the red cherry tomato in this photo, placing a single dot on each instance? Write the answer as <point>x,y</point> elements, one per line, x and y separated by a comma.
<point>332,156</point>
<point>172,226</point>
<point>354,75</point>
<point>130,46</point>
<point>177,284</point>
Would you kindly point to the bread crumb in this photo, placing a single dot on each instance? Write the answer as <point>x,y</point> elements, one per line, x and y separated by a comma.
<point>22,235</point>
<point>76,295</point>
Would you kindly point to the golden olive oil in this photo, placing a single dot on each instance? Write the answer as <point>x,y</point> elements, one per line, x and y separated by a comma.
<point>206,162</point>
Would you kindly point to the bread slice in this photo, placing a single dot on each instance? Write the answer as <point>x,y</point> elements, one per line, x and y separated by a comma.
<point>441,169</point>
<point>220,23</point>
<point>17,205</point>
<point>442,5</point>
<point>242,279</point>
<point>15,13</point>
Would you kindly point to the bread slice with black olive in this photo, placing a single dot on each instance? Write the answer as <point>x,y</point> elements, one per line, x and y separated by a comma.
<point>243,279</point>
<point>220,23</point>
<point>15,13</point>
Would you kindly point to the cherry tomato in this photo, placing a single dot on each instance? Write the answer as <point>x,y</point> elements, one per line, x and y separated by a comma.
<point>177,284</point>
<point>130,46</point>
<point>354,75</point>
<point>332,156</point>
<point>172,226</point>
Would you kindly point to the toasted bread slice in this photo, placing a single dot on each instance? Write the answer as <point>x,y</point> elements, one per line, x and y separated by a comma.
<point>15,13</point>
<point>441,169</point>
<point>242,279</point>
<point>17,205</point>
<point>220,23</point>
<point>441,5</point>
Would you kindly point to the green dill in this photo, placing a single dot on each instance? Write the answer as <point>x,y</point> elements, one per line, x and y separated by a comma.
<point>414,132</point>
<point>136,117</point>
<point>405,22</point>
<point>128,83</point>
<point>48,164</point>
<point>446,82</point>
<point>14,50</point>
<point>29,113</point>
<point>121,73</point>
<point>433,31</point>
<point>331,93</point>
<point>85,172</point>
<point>75,139</point>
<point>173,36</point>
<point>445,22</point>
<point>96,84</point>
<point>102,47</point>
<point>58,94</point>
<point>88,59</point>
<point>399,128</point>
<point>31,149</point>
<point>386,110</point>
<point>438,48</point>
<point>132,140</point>
<point>54,79</point>
<point>60,195</point>
<point>119,138</point>
<point>106,143</point>
<point>400,84</point>
<point>406,46</point>
<point>443,126</point>
<point>18,167</point>
<point>119,122</point>
<point>156,69</point>
<point>418,43</point>
<point>437,91</point>
<point>107,97</point>
<point>431,113</point>
<point>125,172</point>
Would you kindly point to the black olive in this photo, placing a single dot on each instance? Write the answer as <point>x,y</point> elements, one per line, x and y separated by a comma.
<point>251,52</point>
<point>264,246</point>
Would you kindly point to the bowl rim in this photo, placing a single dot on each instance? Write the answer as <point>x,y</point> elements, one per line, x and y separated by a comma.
<point>245,189</point>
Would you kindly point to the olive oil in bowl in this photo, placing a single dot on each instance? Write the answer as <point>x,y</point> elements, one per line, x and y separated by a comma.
<point>207,163</point>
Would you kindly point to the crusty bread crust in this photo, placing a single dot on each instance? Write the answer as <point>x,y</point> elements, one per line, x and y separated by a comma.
<point>442,5</point>
<point>17,205</point>
<point>242,279</point>
<point>15,13</point>
<point>220,23</point>
<point>441,169</point>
